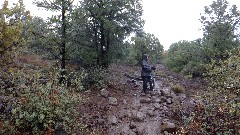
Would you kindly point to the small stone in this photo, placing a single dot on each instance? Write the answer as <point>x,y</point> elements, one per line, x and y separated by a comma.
<point>140,116</point>
<point>156,105</point>
<point>155,113</point>
<point>153,98</point>
<point>182,96</point>
<point>112,101</point>
<point>150,113</point>
<point>145,100</point>
<point>132,125</point>
<point>101,121</point>
<point>104,93</point>
<point>163,99</point>
<point>129,113</point>
<point>165,91</point>
<point>169,101</point>
<point>165,108</point>
<point>112,120</point>
<point>124,101</point>
<point>169,127</point>
<point>139,131</point>
<point>154,93</point>
<point>157,100</point>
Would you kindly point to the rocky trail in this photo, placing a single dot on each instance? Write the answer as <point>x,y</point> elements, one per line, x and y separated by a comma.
<point>132,112</point>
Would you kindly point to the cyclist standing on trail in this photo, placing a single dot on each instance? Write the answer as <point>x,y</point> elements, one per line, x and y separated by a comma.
<point>146,73</point>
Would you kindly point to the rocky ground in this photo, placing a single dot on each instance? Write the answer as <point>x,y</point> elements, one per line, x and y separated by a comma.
<point>128,111</point>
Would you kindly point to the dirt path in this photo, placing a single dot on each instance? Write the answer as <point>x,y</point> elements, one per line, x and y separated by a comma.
<point>133,113</point>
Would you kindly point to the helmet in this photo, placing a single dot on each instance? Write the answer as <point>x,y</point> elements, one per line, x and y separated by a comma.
<point>145,56</point>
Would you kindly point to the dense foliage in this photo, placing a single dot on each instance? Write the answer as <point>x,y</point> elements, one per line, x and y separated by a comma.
<point>95,34</point>
<point>216,58</point>
<point>219,111</point>
<point>32,104</point>
<point>149,44</point>
<point>186,57</point>
<point>220,26</point>
<point>11,29</point>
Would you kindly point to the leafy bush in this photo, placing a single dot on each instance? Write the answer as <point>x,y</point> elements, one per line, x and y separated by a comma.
<point>35,107</point>
<point>220,111</point>
<point>95,78</point>
<point>10,32</point>
<point>177,88</point>
<point>186,57</point>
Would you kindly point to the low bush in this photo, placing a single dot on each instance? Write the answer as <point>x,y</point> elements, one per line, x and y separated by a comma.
<point>219,112</point>
<point>36,107</point>
<point>95,78</point>
<point>177,88</point>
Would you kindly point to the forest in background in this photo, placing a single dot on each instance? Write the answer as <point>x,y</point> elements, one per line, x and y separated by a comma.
<point>96,34</point>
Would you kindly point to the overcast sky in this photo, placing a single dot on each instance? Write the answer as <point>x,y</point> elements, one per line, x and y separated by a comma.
<point>169,20</point>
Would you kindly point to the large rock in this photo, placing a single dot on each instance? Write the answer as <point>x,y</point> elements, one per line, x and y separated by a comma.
<point>168,126</point>
<point>112,101</point>
<point>112,120</point>
<point>104,93</point>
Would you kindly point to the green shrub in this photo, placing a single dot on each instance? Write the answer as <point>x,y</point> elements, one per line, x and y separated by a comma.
<point>177,88</point>
<point>220,111</point>
<point>38,108</point>
<point>95,78</point>
<point>186,57</point>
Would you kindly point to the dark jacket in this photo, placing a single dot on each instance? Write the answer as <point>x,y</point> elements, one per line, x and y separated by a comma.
<point>146,68</point>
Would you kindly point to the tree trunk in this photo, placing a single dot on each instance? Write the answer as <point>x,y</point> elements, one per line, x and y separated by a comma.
<point>103,47</point>
<point>63,45</point>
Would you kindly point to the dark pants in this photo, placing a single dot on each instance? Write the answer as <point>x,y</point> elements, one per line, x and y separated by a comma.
<point>146,80</point>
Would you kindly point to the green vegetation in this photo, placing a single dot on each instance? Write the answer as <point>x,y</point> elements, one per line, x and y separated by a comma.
<point>220,111</point>
<point>216,58</point>
<point>92,35</point>
<point>37,107</point>
<point>96,34</point>
<point>177,88</point>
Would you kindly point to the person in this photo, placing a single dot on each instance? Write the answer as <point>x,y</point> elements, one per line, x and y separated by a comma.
<point>146,73</point>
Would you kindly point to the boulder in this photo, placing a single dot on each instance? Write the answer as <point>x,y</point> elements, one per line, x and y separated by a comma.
<point>104,93</point>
